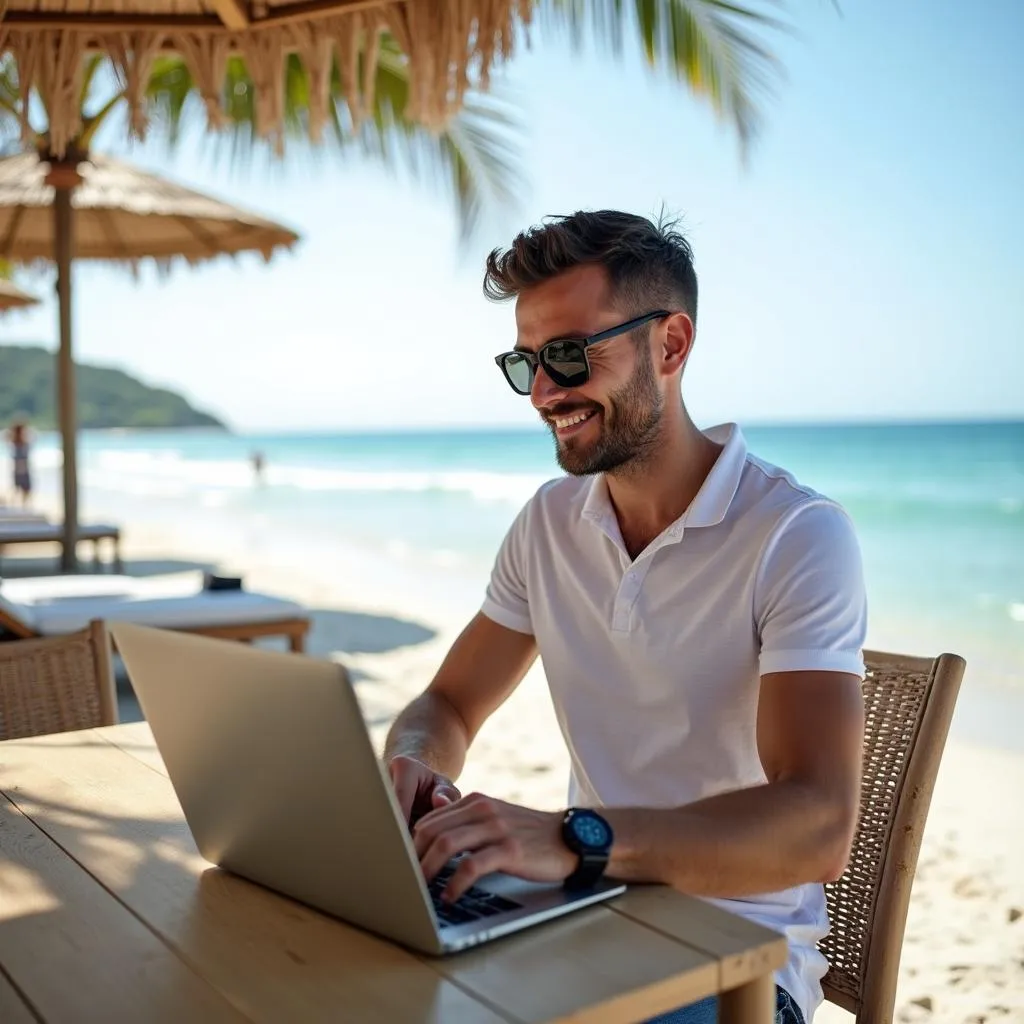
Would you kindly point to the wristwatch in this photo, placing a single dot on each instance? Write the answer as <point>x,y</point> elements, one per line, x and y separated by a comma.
<point>589,836</point>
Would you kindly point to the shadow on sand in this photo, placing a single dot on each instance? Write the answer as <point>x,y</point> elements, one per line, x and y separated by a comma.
<point>334,633</point>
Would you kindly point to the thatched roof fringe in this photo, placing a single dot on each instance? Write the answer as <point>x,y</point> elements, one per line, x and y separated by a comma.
<point>53,64</point>
<point>370,59</point>
<point>448,43</point>
<point>207,58</point>
<point>314,50</point>
<point>264,55</point>
<point>347,33</point>
<point>133,54</point>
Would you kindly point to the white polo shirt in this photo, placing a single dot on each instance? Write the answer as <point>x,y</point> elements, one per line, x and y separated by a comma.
<point>654,665</point>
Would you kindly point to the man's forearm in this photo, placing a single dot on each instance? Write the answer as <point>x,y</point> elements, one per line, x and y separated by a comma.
<point>431,731</point>
<point>736,844</point>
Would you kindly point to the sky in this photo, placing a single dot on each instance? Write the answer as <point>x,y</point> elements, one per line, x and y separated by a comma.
<point>862,263</point>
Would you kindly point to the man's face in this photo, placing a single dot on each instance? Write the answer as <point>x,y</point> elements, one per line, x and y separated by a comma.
<point>613,420</point>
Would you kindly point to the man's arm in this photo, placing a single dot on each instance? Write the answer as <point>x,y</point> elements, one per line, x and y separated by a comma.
<point>484,666</point>
<point>795,828</point>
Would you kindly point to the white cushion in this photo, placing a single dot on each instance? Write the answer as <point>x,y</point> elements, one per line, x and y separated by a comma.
<point>174,602</point>
<point>37,590</point>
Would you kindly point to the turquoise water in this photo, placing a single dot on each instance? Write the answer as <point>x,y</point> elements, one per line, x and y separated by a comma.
<point>939,507</point>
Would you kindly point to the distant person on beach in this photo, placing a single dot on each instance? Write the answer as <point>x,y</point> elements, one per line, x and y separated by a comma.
<point>20,441</point>
<point>700,615</point>
<point>258,463</point>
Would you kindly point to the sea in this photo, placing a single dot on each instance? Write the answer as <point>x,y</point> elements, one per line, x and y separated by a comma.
<point>939,510</point>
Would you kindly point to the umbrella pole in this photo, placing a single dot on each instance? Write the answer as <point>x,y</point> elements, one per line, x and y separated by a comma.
<point>64,178</point>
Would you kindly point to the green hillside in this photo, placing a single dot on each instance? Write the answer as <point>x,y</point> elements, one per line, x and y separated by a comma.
<point>106,398</point>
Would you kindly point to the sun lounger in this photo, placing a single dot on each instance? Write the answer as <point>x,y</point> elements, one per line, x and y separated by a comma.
<point>55,605</point>
<point>14,531</point>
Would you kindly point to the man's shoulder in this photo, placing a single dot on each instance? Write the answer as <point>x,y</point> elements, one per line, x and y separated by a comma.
<point>553,504</point>
<point>561,493</point>
<point>775,494</point>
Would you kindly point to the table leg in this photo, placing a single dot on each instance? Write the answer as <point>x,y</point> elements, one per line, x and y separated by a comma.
<point>752,1003</point>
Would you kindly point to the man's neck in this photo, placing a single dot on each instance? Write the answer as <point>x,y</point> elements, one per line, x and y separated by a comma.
<point>650,496</point>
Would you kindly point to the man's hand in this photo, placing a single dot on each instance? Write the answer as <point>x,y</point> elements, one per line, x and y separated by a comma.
<point>419,788</point>
<point>498,837</point>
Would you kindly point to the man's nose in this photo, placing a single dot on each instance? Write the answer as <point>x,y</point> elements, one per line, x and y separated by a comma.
<point>544,391</point>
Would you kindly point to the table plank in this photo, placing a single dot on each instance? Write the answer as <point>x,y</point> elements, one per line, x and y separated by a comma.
<point>271,957</point>
<point>745,950</point>
<point>76,953</point>
<point>12,1007</point>
<point>136,740</point>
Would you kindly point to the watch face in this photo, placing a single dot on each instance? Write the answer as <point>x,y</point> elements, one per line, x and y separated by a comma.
<point>590,830</point>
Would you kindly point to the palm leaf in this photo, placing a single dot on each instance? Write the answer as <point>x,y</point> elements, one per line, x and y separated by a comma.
<point>714,46</point>
<point>10,101</point>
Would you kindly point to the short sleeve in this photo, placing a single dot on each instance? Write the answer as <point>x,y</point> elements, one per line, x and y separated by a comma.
<point>810,602</point>
<point>506,600</point>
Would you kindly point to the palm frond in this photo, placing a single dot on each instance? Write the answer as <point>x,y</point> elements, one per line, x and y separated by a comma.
<point>10,101</point>
<point>170,92</point>
<point>714,46</point>
<point>93,63</point>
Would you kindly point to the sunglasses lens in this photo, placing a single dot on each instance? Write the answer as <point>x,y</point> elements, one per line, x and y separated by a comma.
<point>565,363</point>
<point>519,372</point>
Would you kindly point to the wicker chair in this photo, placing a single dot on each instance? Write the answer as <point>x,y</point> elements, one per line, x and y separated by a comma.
<point>908,705</point>
<point>57,684</point>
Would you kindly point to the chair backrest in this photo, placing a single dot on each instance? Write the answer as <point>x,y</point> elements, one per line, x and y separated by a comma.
<point>57,684</point>
<point>908,706</point>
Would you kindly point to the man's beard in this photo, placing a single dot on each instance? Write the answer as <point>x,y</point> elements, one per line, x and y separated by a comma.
<point>629,428</point>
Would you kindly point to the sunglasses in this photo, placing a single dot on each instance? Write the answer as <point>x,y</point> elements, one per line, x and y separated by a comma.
<point>564,359</point>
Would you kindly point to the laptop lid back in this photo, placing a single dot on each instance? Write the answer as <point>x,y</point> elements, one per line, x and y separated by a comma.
<point>276,774</point>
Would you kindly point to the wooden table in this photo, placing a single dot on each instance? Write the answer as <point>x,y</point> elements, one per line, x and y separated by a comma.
<point>108,913</point>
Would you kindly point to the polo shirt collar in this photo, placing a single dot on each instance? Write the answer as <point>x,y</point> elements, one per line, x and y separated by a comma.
<point>712,502</point>
<point>711,505</point>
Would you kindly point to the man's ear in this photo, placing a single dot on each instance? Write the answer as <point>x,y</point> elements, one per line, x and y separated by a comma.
<point>676,343</point>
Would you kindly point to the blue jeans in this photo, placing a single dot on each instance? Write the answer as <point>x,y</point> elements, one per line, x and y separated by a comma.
<point>706,1011</point>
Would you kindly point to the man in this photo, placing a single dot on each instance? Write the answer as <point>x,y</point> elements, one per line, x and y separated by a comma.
<point>699,614</point>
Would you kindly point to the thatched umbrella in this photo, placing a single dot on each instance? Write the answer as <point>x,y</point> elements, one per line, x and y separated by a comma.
<point>445,42</point>
<point>93,207</point>
<point>12,297</point>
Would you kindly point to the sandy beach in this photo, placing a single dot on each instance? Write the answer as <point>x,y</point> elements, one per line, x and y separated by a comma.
<point>963,958</point>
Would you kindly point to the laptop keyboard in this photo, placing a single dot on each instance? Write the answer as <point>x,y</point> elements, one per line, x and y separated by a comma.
<point>472,905</point>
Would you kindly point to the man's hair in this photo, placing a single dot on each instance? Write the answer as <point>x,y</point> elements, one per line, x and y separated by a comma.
<point>649,266</point>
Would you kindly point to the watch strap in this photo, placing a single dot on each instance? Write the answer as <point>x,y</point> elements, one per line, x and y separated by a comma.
<point>588,871</point>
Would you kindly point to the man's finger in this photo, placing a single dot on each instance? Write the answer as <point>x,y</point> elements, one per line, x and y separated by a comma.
<point>493,857</point>
<point>444,794</point>
<point>440,822</point>
<point>469,837</point>
<point>405,786</point>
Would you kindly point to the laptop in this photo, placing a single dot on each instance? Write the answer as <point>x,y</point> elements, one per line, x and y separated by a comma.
<point>275,771</point>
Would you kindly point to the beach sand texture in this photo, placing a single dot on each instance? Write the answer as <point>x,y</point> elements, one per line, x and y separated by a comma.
<point>963,956</point>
